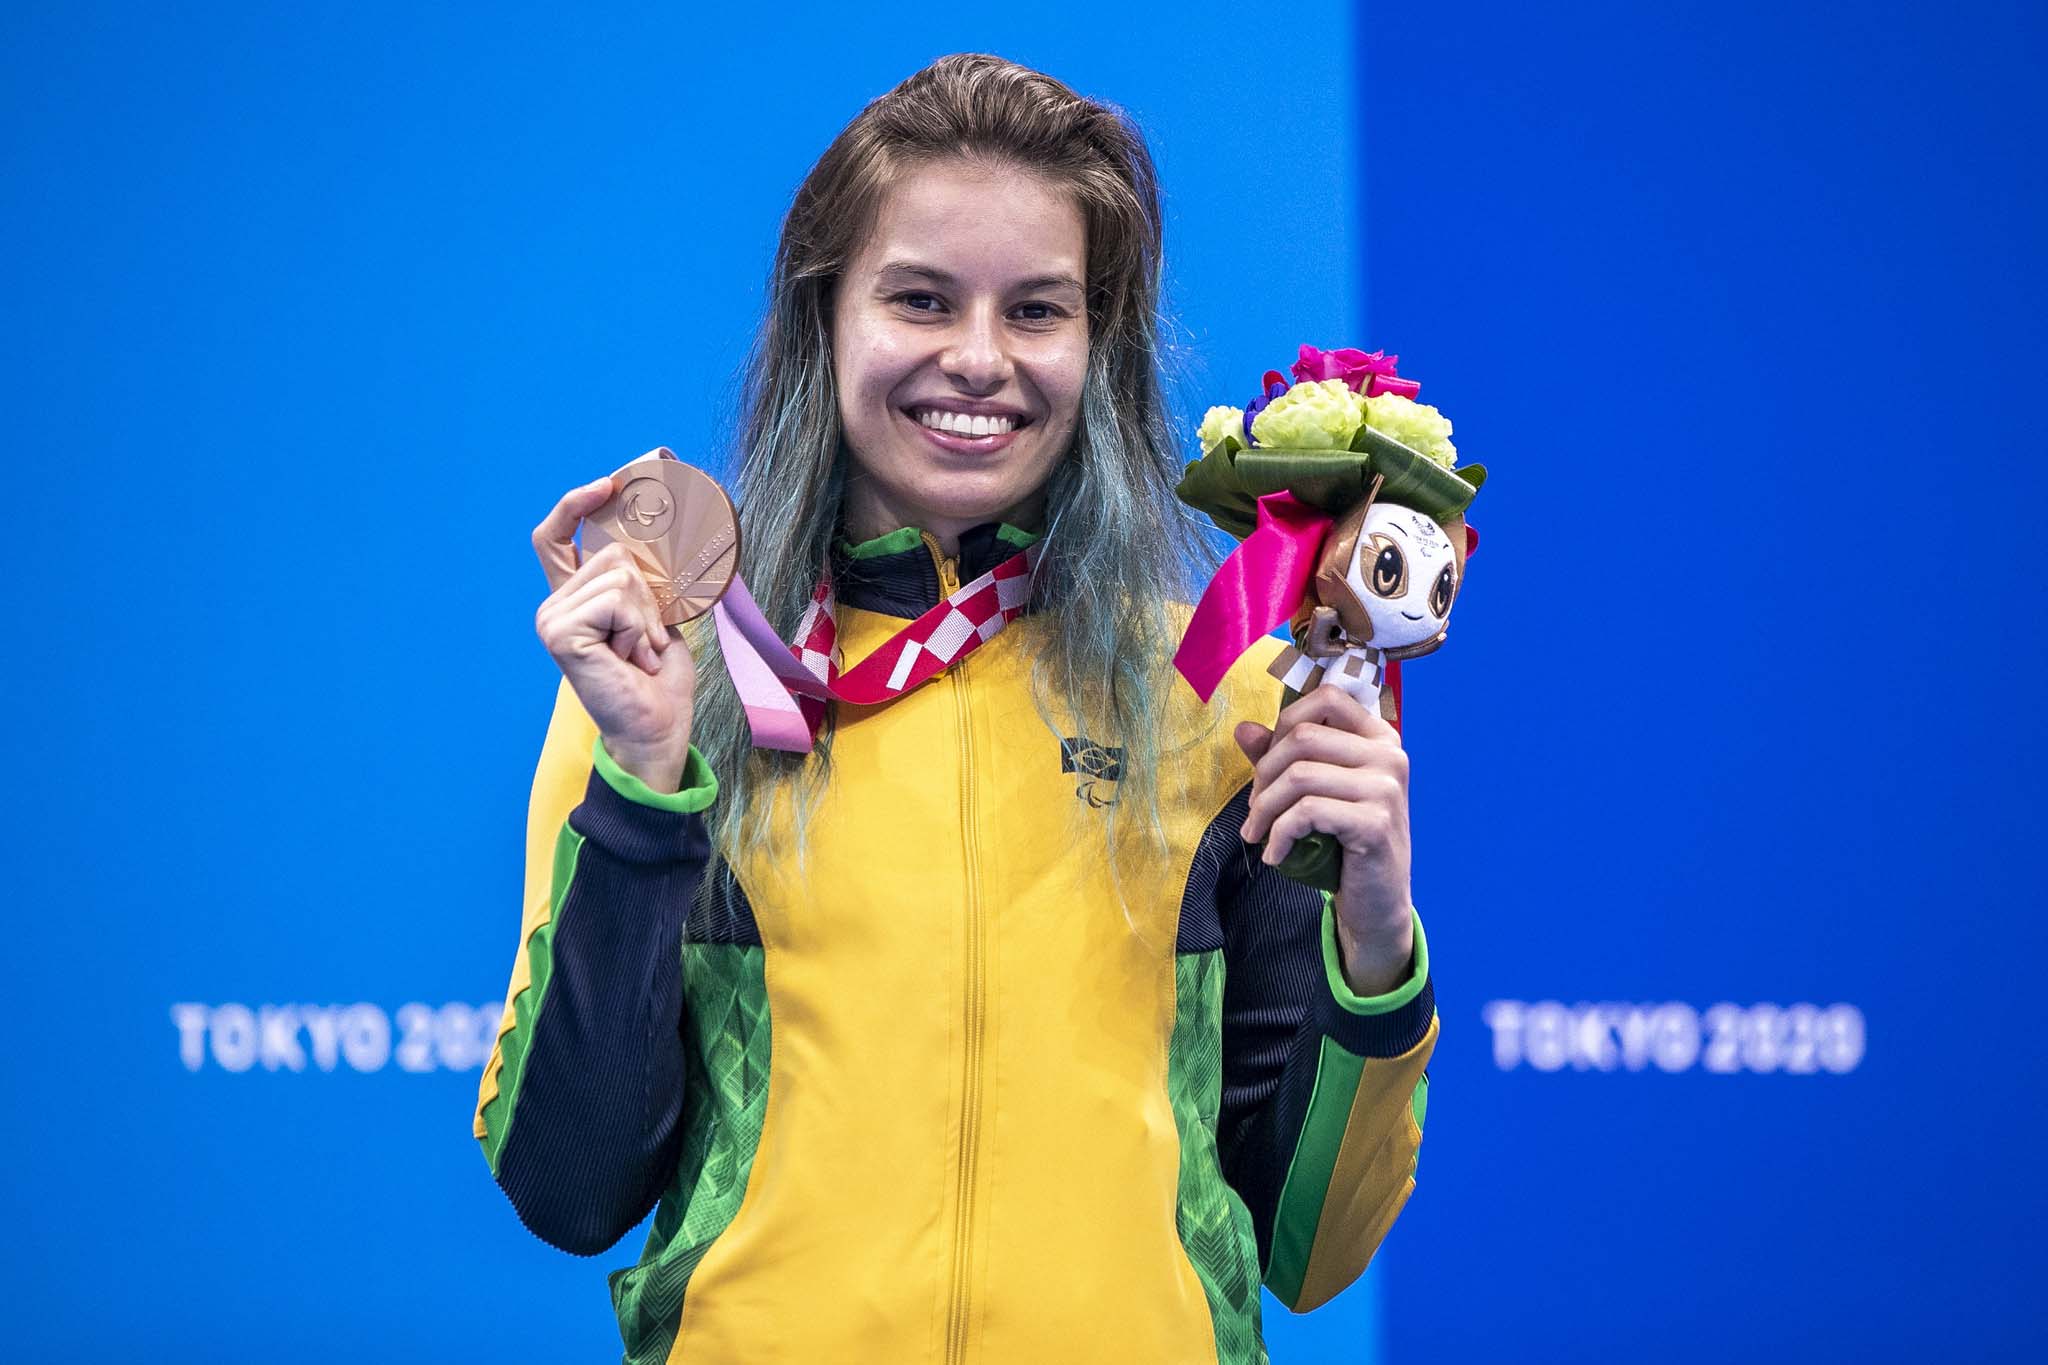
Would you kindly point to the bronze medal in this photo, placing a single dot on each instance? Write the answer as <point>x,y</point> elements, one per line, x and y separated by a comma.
<point>680,527</point>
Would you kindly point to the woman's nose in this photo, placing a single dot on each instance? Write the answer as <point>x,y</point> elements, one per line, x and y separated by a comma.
<point>976,357</point>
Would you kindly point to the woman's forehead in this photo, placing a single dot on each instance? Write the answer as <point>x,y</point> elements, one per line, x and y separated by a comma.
<point>965,223</point>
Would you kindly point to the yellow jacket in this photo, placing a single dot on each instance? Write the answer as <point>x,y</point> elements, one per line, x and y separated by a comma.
<point>935,1095</point>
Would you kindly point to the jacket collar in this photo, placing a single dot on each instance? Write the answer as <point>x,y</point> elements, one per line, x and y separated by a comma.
<point>898,574</point>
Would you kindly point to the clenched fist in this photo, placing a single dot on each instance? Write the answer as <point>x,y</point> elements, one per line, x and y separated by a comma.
<point>1330,764</point>
<point>632,674</point>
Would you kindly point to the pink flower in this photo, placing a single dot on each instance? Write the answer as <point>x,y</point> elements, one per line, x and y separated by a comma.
<point>1370,374</point>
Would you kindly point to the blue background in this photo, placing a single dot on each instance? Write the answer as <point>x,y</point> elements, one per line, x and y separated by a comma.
<point>312,315</point>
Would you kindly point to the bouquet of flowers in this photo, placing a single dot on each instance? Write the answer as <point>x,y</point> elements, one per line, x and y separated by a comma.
<point>1349,503</point>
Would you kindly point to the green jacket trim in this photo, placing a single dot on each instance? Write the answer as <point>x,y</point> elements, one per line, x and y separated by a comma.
<point>907,538</point>
<point>512,1047</point>
<point>1341,990</point>
<point>700,784</point>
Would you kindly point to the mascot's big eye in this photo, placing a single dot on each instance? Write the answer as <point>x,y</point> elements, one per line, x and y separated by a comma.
<point>1440,592</point>
<point>1388,576</point>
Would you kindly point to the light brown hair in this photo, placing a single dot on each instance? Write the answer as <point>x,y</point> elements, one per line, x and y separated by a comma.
<point>1118,546</point>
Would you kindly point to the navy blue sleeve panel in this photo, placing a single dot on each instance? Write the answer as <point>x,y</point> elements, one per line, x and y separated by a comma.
<point>1280,1002</point>
<point>595,1135</point>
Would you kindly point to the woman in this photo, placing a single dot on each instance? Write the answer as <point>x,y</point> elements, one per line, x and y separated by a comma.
<point>924,1043</point>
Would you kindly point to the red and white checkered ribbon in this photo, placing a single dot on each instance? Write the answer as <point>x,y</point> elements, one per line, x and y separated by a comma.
<point>775,694</point>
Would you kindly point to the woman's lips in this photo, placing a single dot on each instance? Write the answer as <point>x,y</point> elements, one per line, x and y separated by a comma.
<point>957,444</point>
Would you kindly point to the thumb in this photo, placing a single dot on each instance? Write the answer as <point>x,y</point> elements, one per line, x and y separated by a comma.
<point>1253,738</point>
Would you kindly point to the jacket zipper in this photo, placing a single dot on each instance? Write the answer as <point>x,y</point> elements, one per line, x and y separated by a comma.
<point>970,1116</point>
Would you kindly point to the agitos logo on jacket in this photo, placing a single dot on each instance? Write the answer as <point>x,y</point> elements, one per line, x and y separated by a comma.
<point>1097,765</point>
<point>932,1096</point>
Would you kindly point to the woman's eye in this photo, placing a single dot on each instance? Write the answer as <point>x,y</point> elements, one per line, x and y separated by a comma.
<point>1038,312</point>
<point>920,303</point>
<point>1389,573</point>
<point>1440,592</point>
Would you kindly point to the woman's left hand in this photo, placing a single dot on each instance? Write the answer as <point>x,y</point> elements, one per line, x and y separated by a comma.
<point>1331,764</point>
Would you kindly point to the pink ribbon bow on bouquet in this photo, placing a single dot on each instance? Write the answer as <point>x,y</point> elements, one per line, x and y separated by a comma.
<point>1257,588</point>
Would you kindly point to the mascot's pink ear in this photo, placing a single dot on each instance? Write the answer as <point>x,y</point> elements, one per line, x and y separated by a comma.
<point>1471,539</point>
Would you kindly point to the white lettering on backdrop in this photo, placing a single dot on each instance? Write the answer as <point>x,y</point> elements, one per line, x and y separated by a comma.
<point>1797,1040</point>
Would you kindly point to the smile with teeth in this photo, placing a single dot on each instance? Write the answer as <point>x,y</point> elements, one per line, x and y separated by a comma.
<point>962,424</point>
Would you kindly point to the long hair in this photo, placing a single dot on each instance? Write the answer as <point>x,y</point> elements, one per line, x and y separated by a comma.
<point>1117,546</point>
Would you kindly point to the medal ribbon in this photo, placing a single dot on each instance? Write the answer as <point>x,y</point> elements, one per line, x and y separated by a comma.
<point>784,687</point>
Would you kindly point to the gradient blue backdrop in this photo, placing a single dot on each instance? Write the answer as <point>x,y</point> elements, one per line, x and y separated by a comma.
<point>312,314</point>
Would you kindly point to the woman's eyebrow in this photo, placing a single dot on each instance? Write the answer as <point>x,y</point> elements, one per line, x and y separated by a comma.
<point>945,281</point>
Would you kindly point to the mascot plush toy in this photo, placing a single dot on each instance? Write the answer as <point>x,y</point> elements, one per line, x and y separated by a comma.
<point>1349,504</point>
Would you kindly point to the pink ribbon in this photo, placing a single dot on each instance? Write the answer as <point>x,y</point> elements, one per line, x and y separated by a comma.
<point>1256,589</point>
<point>766,675</point>
<point>778,683</point>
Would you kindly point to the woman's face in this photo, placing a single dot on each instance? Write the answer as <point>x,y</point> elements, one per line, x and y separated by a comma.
<point>960,341</point>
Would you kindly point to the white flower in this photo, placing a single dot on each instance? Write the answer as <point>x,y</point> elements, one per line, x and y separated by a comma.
<point>1219,423</point>
<point>1317,414</point>
<point>1418,426</point>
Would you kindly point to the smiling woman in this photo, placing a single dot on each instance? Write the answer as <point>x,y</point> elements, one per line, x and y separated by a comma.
<point>976,1032</point>
<point>962,340</point>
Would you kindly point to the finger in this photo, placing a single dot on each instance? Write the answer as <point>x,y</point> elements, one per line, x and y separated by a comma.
<point>608,613</point>
<point>1306,779</point>
<point>1324,743</point>
<point>653,637</point>
<point>572,597</point>
<point>554,540</point>
<point>610,559</point>
<point>620,624</point>
<point>563,621</point>
<point>1313,814</point>
<point>622,644</point>
<point>656,635</point>
<point>1333,706</point>
<point>1357,786</point>
<point>1253,738</point>
<point>1313,742</point>
<point>645,658</point>
<point>629,632</point>
<point>629,582</point>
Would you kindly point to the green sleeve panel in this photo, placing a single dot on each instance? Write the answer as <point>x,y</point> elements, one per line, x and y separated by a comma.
<point>726,993</point>
<point>1308,1175</point>
<point>494,1120</point>
<point>1215,1228</point>
<point>579,1105</point>
<point>1360,1129</point>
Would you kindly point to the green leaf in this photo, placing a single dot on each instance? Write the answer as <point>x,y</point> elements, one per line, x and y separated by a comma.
<point>1227,482</point>
<point>1212,485</point>
<point>1414,480</point>
<point>1328,480</point>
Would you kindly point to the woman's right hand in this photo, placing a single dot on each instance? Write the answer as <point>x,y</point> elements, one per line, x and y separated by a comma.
<point>600,623</point>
